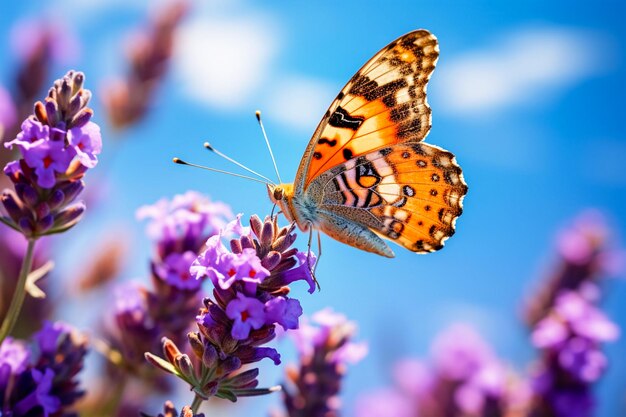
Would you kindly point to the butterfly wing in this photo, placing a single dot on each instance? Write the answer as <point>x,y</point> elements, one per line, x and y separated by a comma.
<point>410,193</point>
<point>383,104</point>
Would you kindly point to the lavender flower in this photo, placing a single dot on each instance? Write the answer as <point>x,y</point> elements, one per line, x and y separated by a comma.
<point>585,256</point>
<point>127,100</point>
<point>41,380</point>
<point>567,327</point>
<point>324,350</point>
<point>465,379</point>
<point>570,338</point>
<point>180,227</point>
<point>142,315</point>
<point>250,298</point>
<point>48,178</point>
<point>37,43</point>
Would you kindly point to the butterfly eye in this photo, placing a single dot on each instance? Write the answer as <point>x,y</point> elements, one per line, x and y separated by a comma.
<point>279,193</point>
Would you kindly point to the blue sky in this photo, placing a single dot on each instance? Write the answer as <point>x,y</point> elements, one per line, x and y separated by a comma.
<point>528,95</point>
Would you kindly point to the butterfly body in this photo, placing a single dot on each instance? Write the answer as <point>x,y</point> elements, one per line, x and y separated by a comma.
<point>366,176</point>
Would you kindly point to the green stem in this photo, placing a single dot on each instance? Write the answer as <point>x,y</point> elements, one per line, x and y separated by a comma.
<point>195,405</point>
<point>20,293</point>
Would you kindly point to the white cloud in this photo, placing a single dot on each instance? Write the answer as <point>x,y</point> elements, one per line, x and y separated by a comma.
<point>222,61</point>
<point>299,102</point>
<point>528,65</point>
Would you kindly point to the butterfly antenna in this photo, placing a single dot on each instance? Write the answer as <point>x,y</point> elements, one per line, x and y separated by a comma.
<point>181,162</point>
<point>267,142</point>
<point>212,149</point>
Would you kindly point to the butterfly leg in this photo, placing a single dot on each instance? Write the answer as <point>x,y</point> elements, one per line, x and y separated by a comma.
<point>319,250</point>
<point>308,259</point>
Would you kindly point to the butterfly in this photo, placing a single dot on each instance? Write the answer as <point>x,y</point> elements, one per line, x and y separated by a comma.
<point>366,175</point>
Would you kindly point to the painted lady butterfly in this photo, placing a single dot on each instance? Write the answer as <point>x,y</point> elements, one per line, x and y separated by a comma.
<point>366,175</point>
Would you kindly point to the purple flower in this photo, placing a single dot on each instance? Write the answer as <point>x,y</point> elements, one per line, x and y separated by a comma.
<point>127,99</point>
<point>549,332</point>
<point>14,354</point>
<point>185,216</point>
<point>283,311</point>
<point>31,35</point>
<point>480,385</point>
<point>49,403</point>
<point>44,381</point>
<point>413,377</point>
<point>385,402</point>
<point>587,254</point>
<point>306,263</point>
<point>569,328</point>
<point>8,115</point>
<point>32,134</point>
<point>584,319</point>
<point>47,158</point>
<point>573,315</point>
<point>224,268</point>
<point>581,358</point>
<point>324,351</point>
<point>247,313</point>
<point>48,337</point>
<point>456,360</point>
<point>87,143</point>
<point>46,181</point>
<point>249,301</point>
<point>175,270</point>
<point>487,383</point>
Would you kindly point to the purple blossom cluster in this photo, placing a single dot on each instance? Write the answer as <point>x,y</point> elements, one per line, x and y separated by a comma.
<point>58,144</point>
<point>568,327</point>
<point>465,378</point>
<point>586,255</point>
<point>325,349</point>
<point>128,99</point>
<point>142,316</point>
<point>570,338</point>
<point>250,299</point>
<point>39,378</point>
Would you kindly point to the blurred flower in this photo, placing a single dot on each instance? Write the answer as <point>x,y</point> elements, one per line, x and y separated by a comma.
<point>109,257</point>
<point>567,326</point>
<point>127,100</point>
<point>180,228</point>
<point>37,43</point>
<point>570,337</point>
<point>41,380</point>
<point>170,411</point>
<point>249,301</point>
<point>134,331</point>
<point>466,379</point>
<point>8,114</point>
<point>324,351</point>
<point>143,315</point>
<point>184,222</point>
<point>459,361</point>
<point>586,255</point>
<point>48,178</point>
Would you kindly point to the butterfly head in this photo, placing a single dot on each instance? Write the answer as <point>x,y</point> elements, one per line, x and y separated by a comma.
<point>280,194</point>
